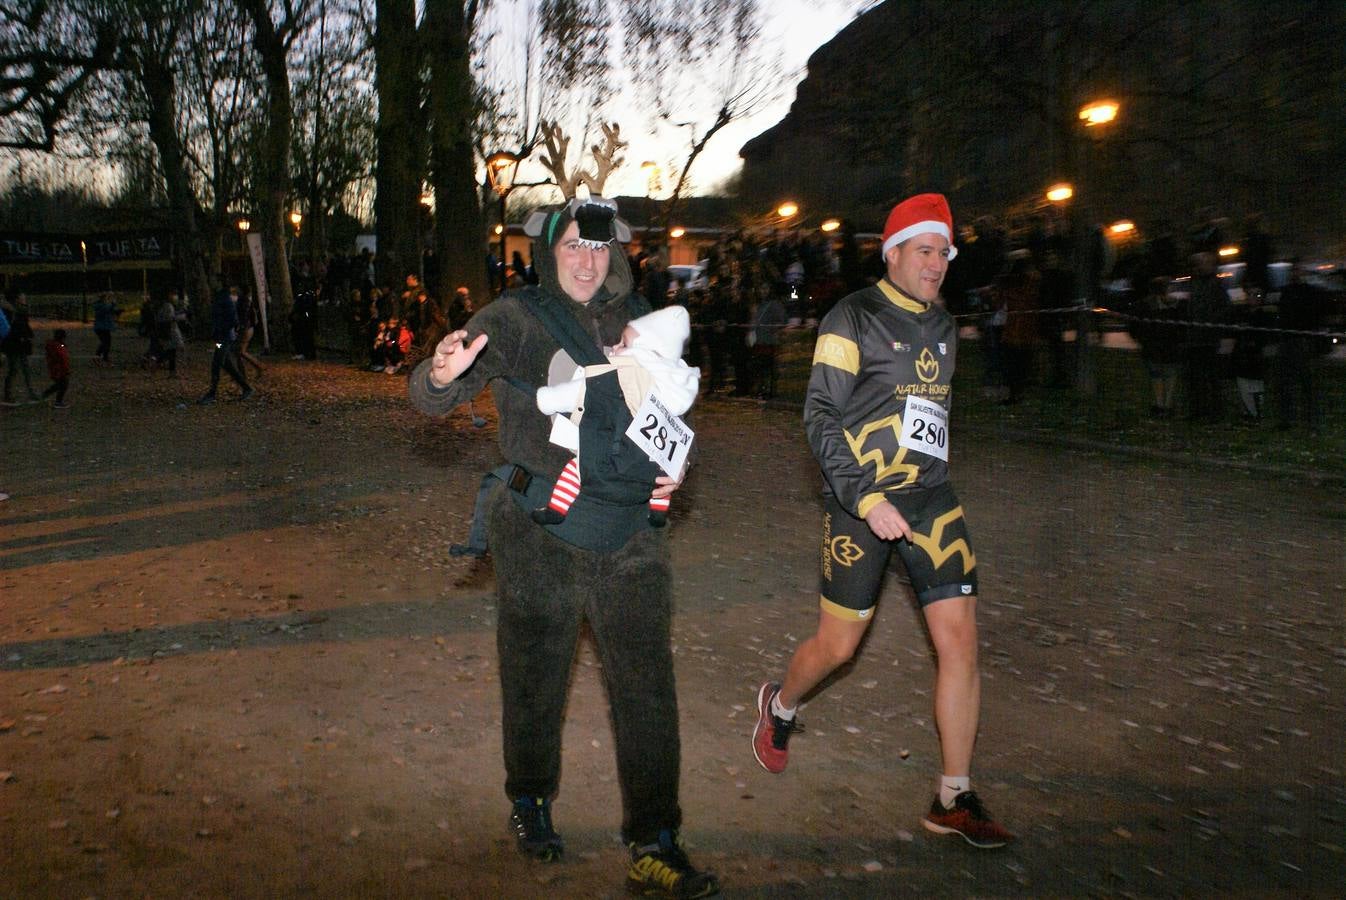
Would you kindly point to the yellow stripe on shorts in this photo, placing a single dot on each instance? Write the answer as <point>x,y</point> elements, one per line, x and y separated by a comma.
<point>844,613</point>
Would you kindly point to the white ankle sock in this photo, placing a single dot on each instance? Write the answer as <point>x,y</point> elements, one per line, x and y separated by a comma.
<point>950,786</point>
<point>781,712</point>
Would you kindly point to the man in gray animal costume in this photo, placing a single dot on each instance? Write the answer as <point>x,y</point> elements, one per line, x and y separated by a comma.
<point>604,562</point>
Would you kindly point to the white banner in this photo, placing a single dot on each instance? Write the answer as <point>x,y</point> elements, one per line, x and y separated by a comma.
<point>259,276</point>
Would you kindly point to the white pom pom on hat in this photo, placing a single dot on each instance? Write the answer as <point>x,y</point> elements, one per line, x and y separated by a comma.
<point>921,214</point>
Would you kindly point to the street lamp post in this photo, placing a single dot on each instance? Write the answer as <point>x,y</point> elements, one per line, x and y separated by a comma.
<point>296,218</point>
<point>1094,115</point>
<point>500,170</point>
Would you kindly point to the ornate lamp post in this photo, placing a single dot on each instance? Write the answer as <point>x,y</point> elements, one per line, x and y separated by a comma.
<point>500,170</point>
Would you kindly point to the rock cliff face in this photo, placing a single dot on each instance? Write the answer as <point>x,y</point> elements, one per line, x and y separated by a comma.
<point>1235,107</point>
<point>836,148</point>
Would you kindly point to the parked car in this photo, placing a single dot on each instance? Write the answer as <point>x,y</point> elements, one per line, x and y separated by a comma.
<point>694,276</point>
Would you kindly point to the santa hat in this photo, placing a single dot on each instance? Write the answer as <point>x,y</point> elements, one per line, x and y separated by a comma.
<point>921,214</point>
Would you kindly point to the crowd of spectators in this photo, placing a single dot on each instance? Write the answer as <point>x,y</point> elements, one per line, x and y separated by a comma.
<point>1208,353</point>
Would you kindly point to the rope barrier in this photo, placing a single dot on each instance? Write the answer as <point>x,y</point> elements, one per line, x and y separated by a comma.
<point>1096,310</point>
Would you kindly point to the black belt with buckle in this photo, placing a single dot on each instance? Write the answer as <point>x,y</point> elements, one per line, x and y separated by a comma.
<point>519,479</point>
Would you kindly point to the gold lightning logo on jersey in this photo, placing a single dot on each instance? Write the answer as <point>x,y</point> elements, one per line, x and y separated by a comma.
<point>846,551</point>
<point>882,468</point>
<point>927,367</point>
<point>939,555</point>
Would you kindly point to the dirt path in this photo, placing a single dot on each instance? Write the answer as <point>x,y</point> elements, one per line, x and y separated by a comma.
<point>235,660</point>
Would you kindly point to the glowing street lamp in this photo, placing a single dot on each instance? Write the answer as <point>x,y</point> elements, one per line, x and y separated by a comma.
<point>295,218</point>
<point>1060,193</point>
<point>677,232</point>
<point>653,177</point>
<point>1229,251</point>
<point>830,226</point>
<point>244,224</point>
<point>1099,113</point>
<point>787,210</point>
<point>1125,226</point>
<point>500,169</point>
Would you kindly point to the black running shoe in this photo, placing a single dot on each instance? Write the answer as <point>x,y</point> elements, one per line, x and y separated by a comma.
<point>662,869</point>
<point>531,822</point>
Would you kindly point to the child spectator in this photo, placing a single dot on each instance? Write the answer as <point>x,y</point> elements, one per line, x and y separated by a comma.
<point>58,367</point>
<point>392,345</point>
<point>404,339</point>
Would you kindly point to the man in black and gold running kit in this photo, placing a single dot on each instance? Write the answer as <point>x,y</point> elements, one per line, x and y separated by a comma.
<point>877,416</point>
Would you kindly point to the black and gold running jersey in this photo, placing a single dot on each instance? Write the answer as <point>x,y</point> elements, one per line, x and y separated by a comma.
<point>876,410</point>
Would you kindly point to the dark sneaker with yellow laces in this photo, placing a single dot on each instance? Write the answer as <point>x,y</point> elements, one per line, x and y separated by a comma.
<point>662,869</point>
<point>967,819</point>
<point>530,821</point>
<point>771,737</point>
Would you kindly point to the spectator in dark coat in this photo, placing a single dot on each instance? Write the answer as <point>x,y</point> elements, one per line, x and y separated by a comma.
<point>17,347</point>
<point>1161,344</point>
<point>1207,306</point>
<point>1302,307</point>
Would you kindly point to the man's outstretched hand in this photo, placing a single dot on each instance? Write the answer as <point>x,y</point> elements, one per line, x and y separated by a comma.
<point>453,357</point>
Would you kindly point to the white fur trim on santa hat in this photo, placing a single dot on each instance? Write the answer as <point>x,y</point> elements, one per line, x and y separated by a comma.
<point>927,227</point>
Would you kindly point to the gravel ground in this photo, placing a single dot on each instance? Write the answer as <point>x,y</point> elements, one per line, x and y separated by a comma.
<point>236,660</point>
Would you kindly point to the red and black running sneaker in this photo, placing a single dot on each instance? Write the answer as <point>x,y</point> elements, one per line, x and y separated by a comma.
<point>771,737</point>
<point>969,820</point>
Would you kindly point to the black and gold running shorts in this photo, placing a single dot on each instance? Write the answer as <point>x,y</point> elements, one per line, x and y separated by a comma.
<point>939,559</point>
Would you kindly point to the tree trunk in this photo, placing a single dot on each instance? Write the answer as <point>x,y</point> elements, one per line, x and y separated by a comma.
<point>460,236</point>
<point>274,166</point>
<point>401,141</point>
<point>189,249</point>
